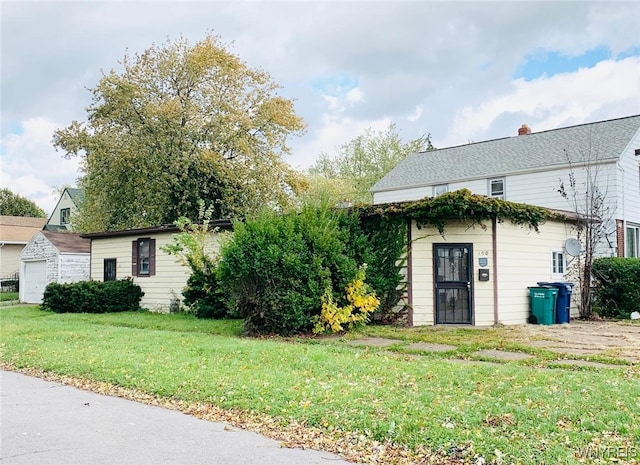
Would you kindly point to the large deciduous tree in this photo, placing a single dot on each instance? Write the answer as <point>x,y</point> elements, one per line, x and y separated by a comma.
<point>362,162</point>
<point>180,124</point>
<point>15,205</point>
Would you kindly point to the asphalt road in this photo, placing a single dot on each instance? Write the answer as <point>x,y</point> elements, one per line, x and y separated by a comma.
<point>48,423</point>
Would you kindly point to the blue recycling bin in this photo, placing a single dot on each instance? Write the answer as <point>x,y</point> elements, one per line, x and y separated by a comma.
<point>563,302</point>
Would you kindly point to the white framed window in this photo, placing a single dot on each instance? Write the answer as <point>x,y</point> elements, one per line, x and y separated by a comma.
<point>497,188</point>
<point>440,189</point>
<point>632,241</point>
<point>558,264</point>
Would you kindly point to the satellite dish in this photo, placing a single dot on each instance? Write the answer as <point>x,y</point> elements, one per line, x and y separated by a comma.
<point>573,247</point>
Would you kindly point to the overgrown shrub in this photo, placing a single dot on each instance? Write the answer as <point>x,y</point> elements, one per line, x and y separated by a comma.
<point>361,302</point>
<point>92,297</point>
<point>277,267</point>
<point>380,242</point>
<point>617,286</point>
<point>204,295</point>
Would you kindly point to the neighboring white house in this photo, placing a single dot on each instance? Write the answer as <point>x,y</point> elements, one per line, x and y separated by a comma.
<point>15,232</point>
<point>531,167</point>
<point>137,253</point>
<point>64,211</point>
<point>481,275</point>
<point>52,257</point>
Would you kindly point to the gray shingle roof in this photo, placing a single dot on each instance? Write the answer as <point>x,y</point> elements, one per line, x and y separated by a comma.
<point>77,195</point>
<point>604,140</point>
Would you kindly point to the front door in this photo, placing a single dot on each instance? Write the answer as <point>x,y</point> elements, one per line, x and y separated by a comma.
<point>453,278</point>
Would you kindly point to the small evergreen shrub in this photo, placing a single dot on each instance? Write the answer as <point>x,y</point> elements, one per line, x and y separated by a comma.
<point>617,286</point>
<point>92,297</point>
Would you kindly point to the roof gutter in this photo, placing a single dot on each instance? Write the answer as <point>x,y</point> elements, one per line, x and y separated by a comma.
<point>222,224</point>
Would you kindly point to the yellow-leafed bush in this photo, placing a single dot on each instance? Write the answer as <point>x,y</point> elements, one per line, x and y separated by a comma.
<point>361,302</point>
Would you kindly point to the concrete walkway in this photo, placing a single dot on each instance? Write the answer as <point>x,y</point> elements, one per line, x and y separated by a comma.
<point>49,423</point>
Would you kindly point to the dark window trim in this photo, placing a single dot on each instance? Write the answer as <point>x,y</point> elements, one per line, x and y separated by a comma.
<point>135,248</point>
<point>503,195</point>
<point>62,215</point>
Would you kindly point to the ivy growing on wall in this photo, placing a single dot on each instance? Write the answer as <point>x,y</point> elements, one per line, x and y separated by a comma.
<point>462,205</point>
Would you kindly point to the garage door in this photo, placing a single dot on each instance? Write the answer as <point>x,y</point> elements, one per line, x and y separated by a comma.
<point>35,280</point>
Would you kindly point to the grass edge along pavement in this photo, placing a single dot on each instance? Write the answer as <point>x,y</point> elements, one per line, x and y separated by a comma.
<point>83,345</point>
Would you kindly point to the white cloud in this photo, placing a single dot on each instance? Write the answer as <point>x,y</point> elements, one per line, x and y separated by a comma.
<point>334,131</point>
<point>561,100</point>
<point>30,165</point>
<point>443,68</point>
<point>415,116</point>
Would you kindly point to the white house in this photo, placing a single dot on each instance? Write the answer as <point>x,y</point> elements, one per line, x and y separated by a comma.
<point>531,168</point>
<point>480,275</point>
<point>52,257</point>
<point>137,253</point>
<point>15,233</point>
<point>64,211</point>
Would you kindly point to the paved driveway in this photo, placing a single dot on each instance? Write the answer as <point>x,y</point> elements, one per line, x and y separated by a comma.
<point>48,423</point>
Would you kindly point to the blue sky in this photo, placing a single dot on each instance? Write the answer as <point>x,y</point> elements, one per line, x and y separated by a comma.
<point>458,71</point>
<point>549,63</point>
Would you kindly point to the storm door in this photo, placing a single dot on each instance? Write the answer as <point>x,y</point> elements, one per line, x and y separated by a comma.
<point>453,278</point>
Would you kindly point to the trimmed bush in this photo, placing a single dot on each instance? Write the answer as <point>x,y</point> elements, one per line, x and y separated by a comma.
<point>617,286</point>
<point>92,297</point>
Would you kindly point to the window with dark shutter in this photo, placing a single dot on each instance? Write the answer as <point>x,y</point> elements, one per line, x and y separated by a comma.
<point>143,257</point>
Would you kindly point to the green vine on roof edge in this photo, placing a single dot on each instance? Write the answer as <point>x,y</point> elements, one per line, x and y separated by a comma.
<point>461,205</point>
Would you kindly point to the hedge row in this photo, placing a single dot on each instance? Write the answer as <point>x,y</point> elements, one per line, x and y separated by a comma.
<point>617,286</point>
<point>92,297</point>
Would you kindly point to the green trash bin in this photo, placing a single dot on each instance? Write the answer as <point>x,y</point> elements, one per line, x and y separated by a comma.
<point>543,304</point>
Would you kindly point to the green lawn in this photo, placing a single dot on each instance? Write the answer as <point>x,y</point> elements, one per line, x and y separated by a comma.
<point>7,296</point>
<point>509,412</point>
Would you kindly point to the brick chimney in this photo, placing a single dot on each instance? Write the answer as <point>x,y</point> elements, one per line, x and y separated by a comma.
<point>524,130</point>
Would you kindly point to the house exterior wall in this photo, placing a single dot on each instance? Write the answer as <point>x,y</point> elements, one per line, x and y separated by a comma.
<point>73,267</point>
<point>60,267</point>
<point>40,248</point>
<point>160,289</point>
<point>541,188</point>
<point>523,259</point>
<point>422,270</point>
<point>628,175</point>
<point>10,259</point>
<point>64,202</point>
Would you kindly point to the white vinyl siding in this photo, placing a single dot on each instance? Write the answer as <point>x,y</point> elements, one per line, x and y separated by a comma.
<point>160,289</point>
<point>64,204</point>
<point>518,267</point>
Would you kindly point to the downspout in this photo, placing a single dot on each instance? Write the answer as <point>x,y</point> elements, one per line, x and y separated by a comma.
<point>409,275</point>
<point>494,237</point>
